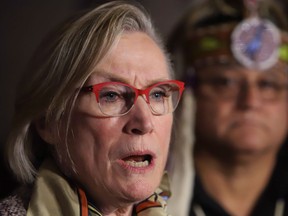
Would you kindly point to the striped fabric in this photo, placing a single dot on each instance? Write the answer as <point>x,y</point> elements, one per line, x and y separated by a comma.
<point>155,205</point>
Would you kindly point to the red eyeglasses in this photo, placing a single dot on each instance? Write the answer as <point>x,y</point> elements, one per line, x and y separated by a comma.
<point>117,98</point>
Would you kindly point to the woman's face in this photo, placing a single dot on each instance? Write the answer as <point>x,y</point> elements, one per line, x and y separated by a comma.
<point>111,153</point>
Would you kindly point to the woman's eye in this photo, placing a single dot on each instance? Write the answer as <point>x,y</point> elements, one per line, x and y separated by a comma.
<point>109,96</point>
<point>158,95</point>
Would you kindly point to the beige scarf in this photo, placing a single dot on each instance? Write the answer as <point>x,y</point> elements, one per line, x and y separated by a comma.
<point>53,195</point>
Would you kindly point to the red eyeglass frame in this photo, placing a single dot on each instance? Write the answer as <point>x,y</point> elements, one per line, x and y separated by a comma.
<point>96,88</point>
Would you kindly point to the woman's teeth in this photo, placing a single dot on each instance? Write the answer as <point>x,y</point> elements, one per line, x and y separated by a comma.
<point>137,164</point>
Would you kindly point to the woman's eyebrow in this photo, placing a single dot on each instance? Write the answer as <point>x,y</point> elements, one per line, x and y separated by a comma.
<point>116,78</point>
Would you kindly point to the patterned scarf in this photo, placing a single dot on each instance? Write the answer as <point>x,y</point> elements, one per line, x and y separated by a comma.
<point>53,195</point>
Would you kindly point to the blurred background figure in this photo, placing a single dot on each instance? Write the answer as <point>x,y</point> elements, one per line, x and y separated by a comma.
<point>234,57</point>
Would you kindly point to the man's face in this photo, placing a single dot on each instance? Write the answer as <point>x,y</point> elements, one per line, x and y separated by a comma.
<point>241,110</point>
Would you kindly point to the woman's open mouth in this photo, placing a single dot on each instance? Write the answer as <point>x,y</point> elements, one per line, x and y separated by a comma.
<point>138,160</point>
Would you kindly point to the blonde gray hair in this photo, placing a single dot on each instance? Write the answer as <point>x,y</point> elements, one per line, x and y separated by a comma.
<point>59,70</point>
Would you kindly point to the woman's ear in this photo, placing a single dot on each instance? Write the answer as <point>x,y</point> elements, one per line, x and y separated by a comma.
<point>45,131</point>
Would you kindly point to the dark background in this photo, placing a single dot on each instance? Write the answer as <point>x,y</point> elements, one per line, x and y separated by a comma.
<point>24,23</point>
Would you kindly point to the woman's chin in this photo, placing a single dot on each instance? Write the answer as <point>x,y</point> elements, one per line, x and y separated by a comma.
<point>140,191</point>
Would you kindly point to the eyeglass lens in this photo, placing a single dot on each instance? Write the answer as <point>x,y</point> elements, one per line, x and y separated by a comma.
<point>117,99</point>
<point>224,87</point>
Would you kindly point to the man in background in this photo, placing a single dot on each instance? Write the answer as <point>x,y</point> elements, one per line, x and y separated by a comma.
<point>234,55</point>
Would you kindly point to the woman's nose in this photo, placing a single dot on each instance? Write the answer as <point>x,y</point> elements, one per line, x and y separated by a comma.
<point>140,118</point>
